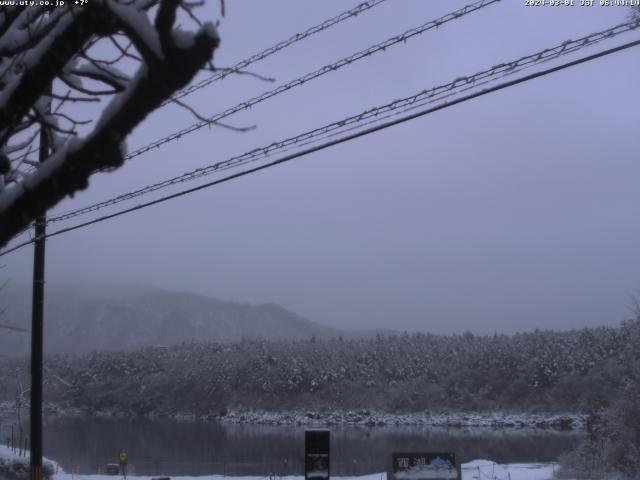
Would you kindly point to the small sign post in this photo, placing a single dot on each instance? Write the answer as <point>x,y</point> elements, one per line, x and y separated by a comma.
<point>316,454</point>
<point>123,458</point>
<point>425,466</point>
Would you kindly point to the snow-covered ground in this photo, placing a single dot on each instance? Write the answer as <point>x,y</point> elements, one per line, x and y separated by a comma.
<point>475,470</point>
<point>7,453</point>
<point>14,466</point>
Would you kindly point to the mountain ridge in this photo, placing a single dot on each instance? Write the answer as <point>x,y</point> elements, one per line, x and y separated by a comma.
<point>128,317</point>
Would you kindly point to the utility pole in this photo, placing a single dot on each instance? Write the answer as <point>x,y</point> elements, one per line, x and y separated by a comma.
<point>37,313</point>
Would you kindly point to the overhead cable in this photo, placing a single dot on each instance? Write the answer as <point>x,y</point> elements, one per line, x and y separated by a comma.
<point>337,141</point>
<point>240,66</point>
<point>367,117</point>
<point>379,47</point>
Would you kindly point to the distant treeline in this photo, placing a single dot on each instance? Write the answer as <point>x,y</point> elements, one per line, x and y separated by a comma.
<point>576,371</point>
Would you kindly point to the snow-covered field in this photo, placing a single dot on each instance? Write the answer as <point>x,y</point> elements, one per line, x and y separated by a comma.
<point>475,470</point>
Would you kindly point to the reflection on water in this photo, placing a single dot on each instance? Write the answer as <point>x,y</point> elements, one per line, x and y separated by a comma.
<point>190,448</point>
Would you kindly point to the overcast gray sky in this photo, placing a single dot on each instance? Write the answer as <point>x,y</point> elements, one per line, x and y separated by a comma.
<point>510,212</point>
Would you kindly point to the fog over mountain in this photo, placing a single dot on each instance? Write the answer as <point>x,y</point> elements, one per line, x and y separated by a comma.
<point>126,318</point>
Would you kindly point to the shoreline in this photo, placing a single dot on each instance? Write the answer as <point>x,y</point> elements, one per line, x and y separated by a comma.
<point>355,417</point>
<point>371,418</point>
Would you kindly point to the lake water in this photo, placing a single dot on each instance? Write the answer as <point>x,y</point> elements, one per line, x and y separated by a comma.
<point>191,448</point>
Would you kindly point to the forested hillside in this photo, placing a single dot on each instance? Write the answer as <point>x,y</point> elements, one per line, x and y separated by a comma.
<point>538,371</point>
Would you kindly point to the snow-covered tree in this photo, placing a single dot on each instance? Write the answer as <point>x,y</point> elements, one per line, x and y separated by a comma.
<point>57,61</point>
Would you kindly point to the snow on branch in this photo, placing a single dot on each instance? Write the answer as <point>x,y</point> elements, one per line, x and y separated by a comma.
<point>50,60</point>
<point>136,25</point>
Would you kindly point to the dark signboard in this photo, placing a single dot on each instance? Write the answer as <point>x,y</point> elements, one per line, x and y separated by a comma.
<point>316,454</point>
<point>424,466</point>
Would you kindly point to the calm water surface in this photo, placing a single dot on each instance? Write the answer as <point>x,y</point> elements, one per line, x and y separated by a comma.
<point>190,448</point>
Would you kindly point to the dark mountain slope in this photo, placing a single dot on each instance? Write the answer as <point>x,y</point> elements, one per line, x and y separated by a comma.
<point>118,318</point>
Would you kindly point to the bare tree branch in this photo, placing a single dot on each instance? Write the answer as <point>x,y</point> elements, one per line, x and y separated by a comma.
<point>13,328</point>
<point>175,57</point>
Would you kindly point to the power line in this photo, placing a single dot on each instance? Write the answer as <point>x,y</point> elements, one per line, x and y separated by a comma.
<point>396,107</point>
<point>297,82</point>
<point>344,139</point>
<point>220,75</point>
<point>358,9</point>
<point>379,47</point>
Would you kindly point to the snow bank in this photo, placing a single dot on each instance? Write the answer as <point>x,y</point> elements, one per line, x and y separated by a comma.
<point>7,453</point>
<point>485,469</point>
<point>13,466</point>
